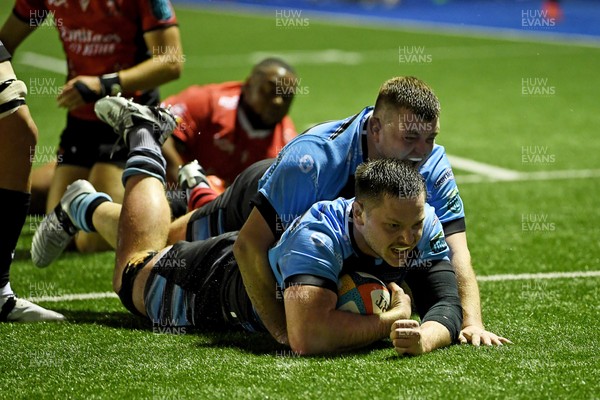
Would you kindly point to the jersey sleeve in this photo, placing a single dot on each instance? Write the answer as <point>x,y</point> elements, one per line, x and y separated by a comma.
<point>442,190</point>
<point>307,251</point>
<point>156,14</point>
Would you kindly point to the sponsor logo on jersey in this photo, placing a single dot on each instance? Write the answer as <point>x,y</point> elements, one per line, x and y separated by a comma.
<point>454,203</point>
<point>445,177</point>
<point>306,163</point>
<point>438,243</point>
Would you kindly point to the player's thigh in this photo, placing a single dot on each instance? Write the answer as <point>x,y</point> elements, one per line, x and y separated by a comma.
<point>64,175</point>
<point>106,177</point>
<point>41,177</point>
<point>18,137</point>
<point>178,228</point>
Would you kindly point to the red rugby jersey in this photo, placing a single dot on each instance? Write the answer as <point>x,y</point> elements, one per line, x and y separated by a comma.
<point>100,36</point>
<point>214,134</point>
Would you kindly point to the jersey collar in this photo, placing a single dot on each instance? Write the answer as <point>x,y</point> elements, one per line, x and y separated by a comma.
<point>247,126</point>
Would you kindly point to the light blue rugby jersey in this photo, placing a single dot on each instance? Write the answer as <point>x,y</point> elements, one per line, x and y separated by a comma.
<point>319,243</point>
<point>318,164</point>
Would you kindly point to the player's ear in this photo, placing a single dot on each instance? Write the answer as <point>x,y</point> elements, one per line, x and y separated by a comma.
<point>358,211</point>
<point>375,127</point>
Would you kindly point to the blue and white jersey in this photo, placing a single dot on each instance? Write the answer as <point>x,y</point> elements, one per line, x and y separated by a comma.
<point>321,244</point>
<point>320,165</point>
<point>314,166</point>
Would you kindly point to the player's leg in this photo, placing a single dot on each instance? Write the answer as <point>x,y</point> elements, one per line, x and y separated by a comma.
<point>196,284</point>
<point>106,178</point>
<point>18,137</point>
<point>41,178</point>
<point>63,176</point>
<point>226,213</point>
<point>144,221</point>
<point>76,208</point>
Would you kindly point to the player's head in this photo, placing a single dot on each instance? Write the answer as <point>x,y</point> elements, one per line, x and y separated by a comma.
<point>268,92</point>
<point>389,209</point>
<point>405,120</point>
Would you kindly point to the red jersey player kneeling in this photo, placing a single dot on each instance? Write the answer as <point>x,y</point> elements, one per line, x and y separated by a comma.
<point>229,126</point>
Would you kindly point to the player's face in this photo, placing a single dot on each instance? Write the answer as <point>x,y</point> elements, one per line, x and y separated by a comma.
<point>391,230</point>
<point>403,135</point>
<point>270,93</point>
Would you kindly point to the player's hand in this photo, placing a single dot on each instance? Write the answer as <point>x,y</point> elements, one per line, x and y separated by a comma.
<point>477,335</point>
<point>399,302</point>
<point>70,98</point>
<point>406,337</point>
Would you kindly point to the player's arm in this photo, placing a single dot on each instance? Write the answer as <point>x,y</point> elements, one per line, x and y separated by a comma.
<point>251,253</point>
<point>449,208</point>
<point>473,330</point>
<point>435,294</point>
<point>315,326</point>
<point>165,65</point>
<point>14,31</point>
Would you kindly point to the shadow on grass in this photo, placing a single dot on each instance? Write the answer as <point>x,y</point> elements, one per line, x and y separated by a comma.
<point>263,344</point>
<point>252,343</point>
<point>111,319</point>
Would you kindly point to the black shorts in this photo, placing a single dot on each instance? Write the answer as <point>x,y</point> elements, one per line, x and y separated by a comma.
<point>229,211</point>
<point>4,54</point>
<point>199,284</point>
<point>84,143</point>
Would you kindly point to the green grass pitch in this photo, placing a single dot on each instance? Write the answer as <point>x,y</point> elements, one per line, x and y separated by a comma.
<point>523,106</point>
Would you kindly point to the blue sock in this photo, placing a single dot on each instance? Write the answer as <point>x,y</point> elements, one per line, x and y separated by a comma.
<point>82,209</point>
<point>145,161</point>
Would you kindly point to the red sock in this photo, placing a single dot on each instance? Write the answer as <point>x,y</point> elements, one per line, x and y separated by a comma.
<point>200,196</point>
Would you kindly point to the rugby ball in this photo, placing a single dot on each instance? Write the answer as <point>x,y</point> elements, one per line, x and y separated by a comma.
<point>362,293</point>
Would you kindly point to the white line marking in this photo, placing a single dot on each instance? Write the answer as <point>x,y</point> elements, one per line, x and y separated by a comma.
<point>532,176</point>
<point>490,171</point>
<point>542,275</point>
<point>41,61</point>
<point>327,56</point>
<point>76,296</point>
<point>488,278</point>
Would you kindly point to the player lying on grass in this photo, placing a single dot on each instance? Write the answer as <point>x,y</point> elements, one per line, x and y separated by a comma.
<point>18,137</point>
<point>387,231</point>
<point>320,165</point>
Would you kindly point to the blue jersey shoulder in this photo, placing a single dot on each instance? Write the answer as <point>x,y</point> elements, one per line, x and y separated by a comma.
<point>314,166</point>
